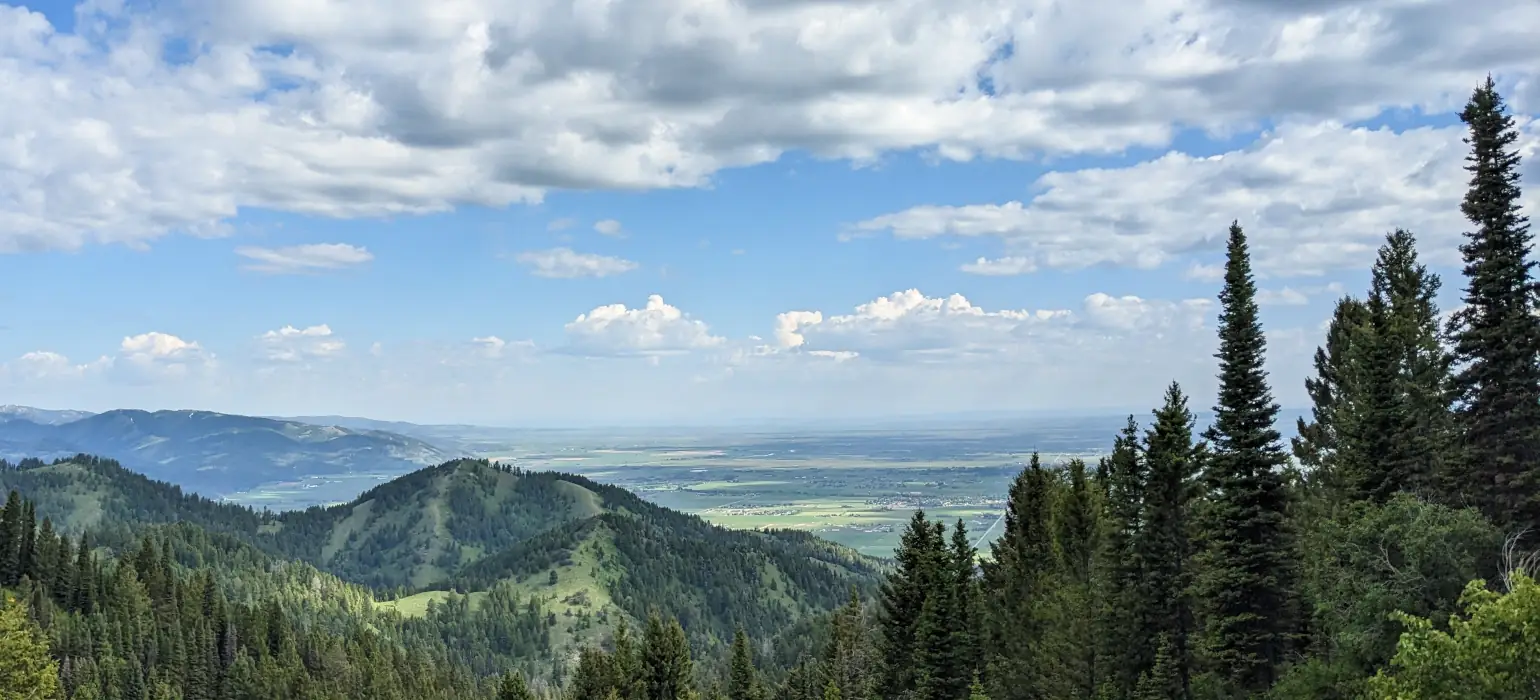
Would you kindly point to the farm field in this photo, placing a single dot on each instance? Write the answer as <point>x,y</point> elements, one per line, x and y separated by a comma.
<point>854,487</point>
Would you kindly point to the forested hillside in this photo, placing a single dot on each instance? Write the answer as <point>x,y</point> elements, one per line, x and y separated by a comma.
<point>1390,559</point>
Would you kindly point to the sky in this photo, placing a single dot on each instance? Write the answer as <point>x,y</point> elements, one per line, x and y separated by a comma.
<point>574,212</point>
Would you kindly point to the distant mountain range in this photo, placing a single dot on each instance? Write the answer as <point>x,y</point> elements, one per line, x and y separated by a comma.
<point>212,453</point>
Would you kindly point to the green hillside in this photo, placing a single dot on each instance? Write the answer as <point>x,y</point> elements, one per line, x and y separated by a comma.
<point>437,542</point>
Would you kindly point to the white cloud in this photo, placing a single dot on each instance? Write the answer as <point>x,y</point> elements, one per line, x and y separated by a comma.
<point>45,365</point>
<point>1312,198</point>
<point>290,344</point>
<point>910,326</point>
<point>494,347</point>
<point>561,224</point>
<point>1001,267</point>
<point>1287,296</point>
<point>656,329</point>
<point>564,263</point>
<point>155,355</point>
<point>304,258</point>
<point>353,108</point>
<point>608,227</point>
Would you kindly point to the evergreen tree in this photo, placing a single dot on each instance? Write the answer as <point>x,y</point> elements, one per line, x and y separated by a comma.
<point>1404,423</point>
<point>513,687</point>
<point>1163,547</point>
<point>27,672</point>
<point>742,680</point>
<point>1497,333</point>
<point>916,577</point>
<point>1014,585</point>
<point>1118,568</point>
<point>666,667</point>
<point>1333,391</point>
<point>26,548</point>
<point>10,540</point>
<point>1072,627</point>
<point>963,617</point>
<point>1246,576</point>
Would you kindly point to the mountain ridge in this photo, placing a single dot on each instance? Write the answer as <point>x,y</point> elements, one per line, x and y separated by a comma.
<point>589,554</point>
<point>219,453</point>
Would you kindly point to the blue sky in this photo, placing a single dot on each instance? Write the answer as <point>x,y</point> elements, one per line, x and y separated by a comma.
<point>381,209</point>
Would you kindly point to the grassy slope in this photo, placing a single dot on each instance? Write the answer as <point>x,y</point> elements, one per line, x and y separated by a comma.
<point>558,523</point>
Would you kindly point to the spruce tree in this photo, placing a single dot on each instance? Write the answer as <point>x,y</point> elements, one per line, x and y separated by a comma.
<point>1404,425</point>
<point>1072,629</point>
<point>1245,579</point>
<point>1014,583</point>
<point>26,548</point>
<point>742,679</point>
<point>513,687</point>
<point>27,672</point>
<point>666,667</point>
<point>915,578</point>
<point>1333,392</point>
<point>963,617</point>
<point>1163,547</point>
<point>1497,333</point>
<point>1118,568</point>
<point>10,540</point>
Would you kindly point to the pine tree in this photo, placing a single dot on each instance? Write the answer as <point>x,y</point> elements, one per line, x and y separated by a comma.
<point>1334,392</point>
<point>1014,586</point>
<point>513,687</point>
<point>10,540</point>
<point>1164,551</point>
<point>915,577</point>
<point>26,549</point>
<point>963,617</point>
<point>1071,631</point>
<point>1164,680</point>
<point>27,672</point>
<point>1118,568</point>
<point>1403,425</point>
<point>1246,577</point>
<point>628,665</point>
<point>1497,333</point>
<point>666,665</point>
<point>742,680</point>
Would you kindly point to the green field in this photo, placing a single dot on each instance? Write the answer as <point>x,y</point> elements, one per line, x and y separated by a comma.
<point>855,488</point>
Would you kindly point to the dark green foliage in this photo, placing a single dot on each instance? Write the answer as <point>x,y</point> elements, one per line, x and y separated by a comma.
<point>1117,574</point>
<point>1324,444</point>
<point>1497,333</point>
<point>1246,575</point>
<point>1163,548</point>
<point>1015,589</point>
<point>666,669</point>
<point>514,687</point>
<point>743,679</point>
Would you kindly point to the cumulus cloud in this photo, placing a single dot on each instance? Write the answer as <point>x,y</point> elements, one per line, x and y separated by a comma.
<point>909,325</point>
<point>655,329</point>
<point>304,258</point>
<point>565,263</point>
<point>608,227</point>
<point>290,344</point>
<point>1312,197</point>
<point>348,108</point>
<point>156,355</point>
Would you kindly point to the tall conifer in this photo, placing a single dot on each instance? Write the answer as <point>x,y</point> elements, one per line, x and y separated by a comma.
<point>1497,333</point>
<point>1322,445</point>
<point>1163,546</point>
<point>1246,576</point>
